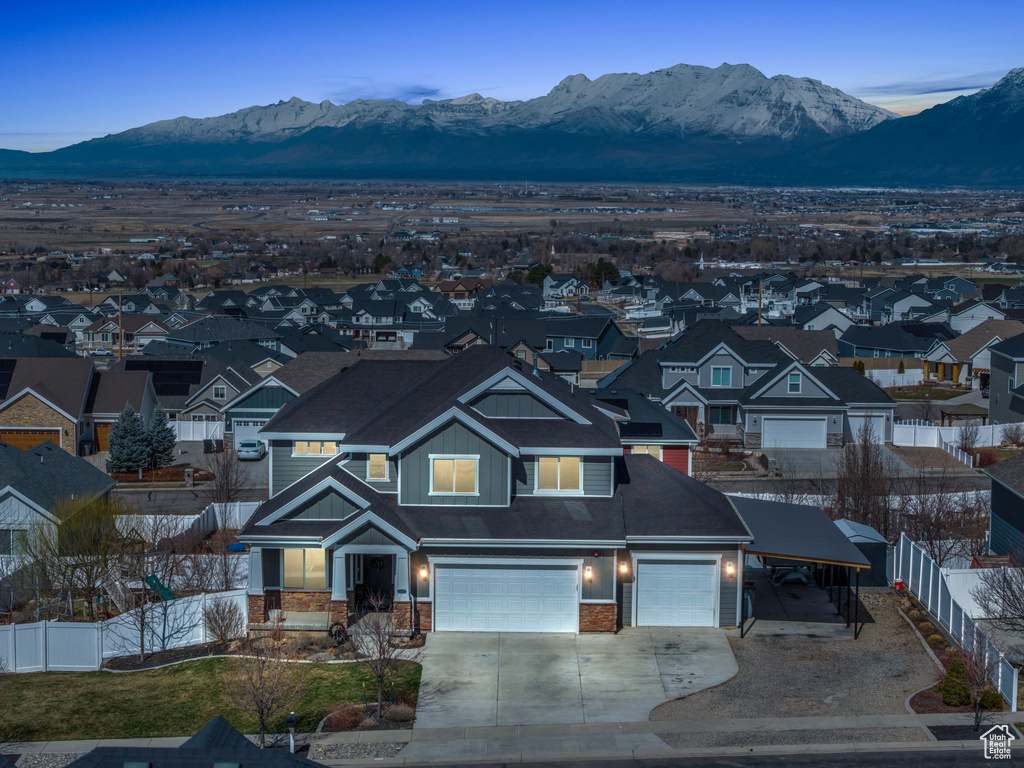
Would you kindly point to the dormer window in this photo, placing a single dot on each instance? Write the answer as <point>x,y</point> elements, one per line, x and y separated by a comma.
<point>453,475</point>
<point>559,474</point>
<point>315,448</point>
<point>795,382</point>
<point>220,392</point>
<point>377,466</point>
<point>721,376</point>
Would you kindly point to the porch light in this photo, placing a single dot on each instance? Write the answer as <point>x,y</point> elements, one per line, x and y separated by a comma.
<point>623,567</point>
<point>588,573</point>
<point>730,569</point>
<point>424,572</point>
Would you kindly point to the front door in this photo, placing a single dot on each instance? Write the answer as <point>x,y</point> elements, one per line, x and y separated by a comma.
<point>379,575</point>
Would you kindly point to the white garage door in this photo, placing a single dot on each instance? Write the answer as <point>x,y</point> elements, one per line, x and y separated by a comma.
<point>877,424</point>
<point>793,433</point>
<point>503,598</point>
<point>676,594</point>
<point>247,430</point>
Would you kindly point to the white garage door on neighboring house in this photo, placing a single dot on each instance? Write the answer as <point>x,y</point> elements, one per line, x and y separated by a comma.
<point>506,598</point>
<point>877,424</point>
<point>247,430</point>
<point>794,433</point>
<point>676,594</point>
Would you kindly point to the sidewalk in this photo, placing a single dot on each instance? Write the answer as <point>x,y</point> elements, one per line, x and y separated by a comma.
<point>633,740</point>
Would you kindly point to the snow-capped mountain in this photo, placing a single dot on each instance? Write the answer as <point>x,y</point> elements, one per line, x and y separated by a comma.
<point>736,101</point>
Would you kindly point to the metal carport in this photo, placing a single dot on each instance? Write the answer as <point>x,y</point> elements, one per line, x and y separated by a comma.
<point>804,534</point>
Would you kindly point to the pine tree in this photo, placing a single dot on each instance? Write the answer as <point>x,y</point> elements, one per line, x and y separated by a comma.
<point>129,443</point>
<point>162,439</point>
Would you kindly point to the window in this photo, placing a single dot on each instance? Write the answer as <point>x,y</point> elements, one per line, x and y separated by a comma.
<point>549,345</point>
<point>220,392</point>
<point>795,380</point>
<point>521,354</point>
<point>558,473</point>
<point>689,369</point>
<point>377,467</point>
<point>721,377</point>
<point>720,414</point>
<point>305,569</point>
<point>570,342</point>
<point>453,475</point>
<point>588,343</point>
<point>650,450</point>
<point>307,448</point>
<point>12,542</point>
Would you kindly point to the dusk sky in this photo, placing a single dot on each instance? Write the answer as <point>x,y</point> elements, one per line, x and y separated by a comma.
<point>72,71</point>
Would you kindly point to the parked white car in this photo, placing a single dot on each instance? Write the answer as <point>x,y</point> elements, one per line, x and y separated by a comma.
<point>251,450</point>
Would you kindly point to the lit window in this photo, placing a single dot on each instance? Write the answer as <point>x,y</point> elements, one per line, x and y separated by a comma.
<point>377,467</point>
<point>650,450</point>
<point>308,448</point>
<point>453,475</point>
<point>794,383</point>
<point>305,569</point>
<point>721,377</point>
<point>558,473</point>
<point>220,392</point>
<point>521,354</point>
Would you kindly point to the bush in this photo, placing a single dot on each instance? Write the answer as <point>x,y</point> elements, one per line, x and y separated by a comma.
<point>345,717</point>
<point>315,643</point>
<point>400,713</point>
<point>223,619</point>
<point>926,627</point>
<point>914,615</point>
<point>991,699</point>
<point>1013,433</point>
<point>367,723</point>
<point>955,690</point>
<point>936,640</point>
<point>985,459</point>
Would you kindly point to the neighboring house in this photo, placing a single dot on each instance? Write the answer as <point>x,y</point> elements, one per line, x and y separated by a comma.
<point>647,428</point>
<point>125,335</point>
<point>821,317</point>
<point>430,482</point>
<point>207,331</point>
<point>564,286</point>
<point>964,317</point>
<point>1006,521</point>
<point>44,399</point>
<point>109,393</point>
<point>593,337</point>
<point>813,348</point>
<point>966,359</point>
<point>754,393</point>
<point>462,290</point>
<point>893,340</point>
<point>1005,403</point>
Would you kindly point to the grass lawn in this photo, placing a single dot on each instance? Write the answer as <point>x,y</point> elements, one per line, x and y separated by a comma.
<point>918,393</point>
<point>719,466</point>
<point>174,701</point>
<point>1001,453</point>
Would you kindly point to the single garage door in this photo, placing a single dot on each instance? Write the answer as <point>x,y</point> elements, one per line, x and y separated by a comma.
<point>877,424</point>
<point>504,598</point>
<point>102,436</point>
<point>794,433</point>
<point>29,438</point>
<point>671,594</point>
<point>247,430</point>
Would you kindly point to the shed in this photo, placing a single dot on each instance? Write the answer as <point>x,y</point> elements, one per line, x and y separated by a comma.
<point>873,546</point>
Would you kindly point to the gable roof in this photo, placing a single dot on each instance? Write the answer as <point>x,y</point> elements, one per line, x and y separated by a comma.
<point>61,382</point>
<point>805,345</point>
<point>111,391</point>
<point>967,344</point>
<point>47,474</point>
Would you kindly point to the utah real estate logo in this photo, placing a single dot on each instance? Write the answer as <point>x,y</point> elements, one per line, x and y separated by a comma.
<point>996,741</point>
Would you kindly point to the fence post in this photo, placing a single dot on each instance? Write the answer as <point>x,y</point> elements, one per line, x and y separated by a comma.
<point>202,617</point>
<point>43,638</point>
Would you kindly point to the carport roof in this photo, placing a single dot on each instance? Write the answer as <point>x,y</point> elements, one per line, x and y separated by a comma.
<point>796,532</point>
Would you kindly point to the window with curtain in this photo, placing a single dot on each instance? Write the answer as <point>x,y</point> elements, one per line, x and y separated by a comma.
<point>455,475</point>
<point>315,448</point>
<point>559,473</point>
<point>650,450</point>
<point>377,467</point>
<point>305,569</point>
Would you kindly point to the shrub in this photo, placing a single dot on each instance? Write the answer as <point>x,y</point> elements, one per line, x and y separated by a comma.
<point>935,640</point>
<point>400,713</point>
<point>926,627</point>
<point>367,723</point>
<point>223,619</point>
<point>914,615</point>
<point>985,459</point>
<point>315,643</point>
<point>955,690</point>
<point>345,717</point>
<point>991,699</point>
<point>1013,433</point>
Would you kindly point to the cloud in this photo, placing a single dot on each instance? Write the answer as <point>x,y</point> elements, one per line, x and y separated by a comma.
<point>923,87</point>
<point>356,87</point>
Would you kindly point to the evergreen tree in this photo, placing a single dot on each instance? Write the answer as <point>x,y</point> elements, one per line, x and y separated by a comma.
<point>956,692</point>
<point>129,443</point>
<point>162,439</point>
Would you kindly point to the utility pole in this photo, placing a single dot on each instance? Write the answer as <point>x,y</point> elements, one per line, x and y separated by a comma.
<point>759,284</point>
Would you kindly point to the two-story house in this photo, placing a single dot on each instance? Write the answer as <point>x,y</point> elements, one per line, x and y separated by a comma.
<point>1006,381</point>
<point>478,493</point>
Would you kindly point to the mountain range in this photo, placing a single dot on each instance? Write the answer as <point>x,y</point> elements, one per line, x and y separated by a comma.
<point>684,123</point>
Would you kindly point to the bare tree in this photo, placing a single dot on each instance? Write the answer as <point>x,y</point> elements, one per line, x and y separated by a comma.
<point>1013,434</point>
<point>967,436</point>
<point>261,683</point>
<point>864,471</point>
<point>377,638</point>
<point>1000,594</point>
<point>226,487</point>
<point>224,620</point>
<point>980,662</point>
<point>942,515</point>
<point>926,407</point>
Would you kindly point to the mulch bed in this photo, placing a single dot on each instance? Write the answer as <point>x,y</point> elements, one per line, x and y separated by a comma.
<point>929,702</point>
<point>956,732</point>
<point>175,474</point>
<point>159,658</point>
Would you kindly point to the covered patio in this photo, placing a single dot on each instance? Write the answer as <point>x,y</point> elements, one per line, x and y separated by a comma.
<point>800,569</point>
<point>966,411</point>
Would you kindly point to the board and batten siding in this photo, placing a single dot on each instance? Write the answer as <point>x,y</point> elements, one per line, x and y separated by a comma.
<point>1006,527</point>
<point>259,404</point>
<point>357,466</point>
<point>327,505</point>
<point>288,468</point>
<point>513,405</point>
<point>727,584</point>
<point>597,475</point>
<point>600,587</point>
<point>455,439</point>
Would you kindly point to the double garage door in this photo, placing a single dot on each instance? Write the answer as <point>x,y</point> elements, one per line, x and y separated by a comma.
<point>794,433</point>
<point>875,424</point>
<point>247,430</point>
<point>676,594</point>
<point>29,438</point>
<point>506,598</point>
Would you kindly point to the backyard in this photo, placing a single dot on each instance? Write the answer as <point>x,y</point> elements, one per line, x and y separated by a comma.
<point>921,391</point>
<point>173,701</point>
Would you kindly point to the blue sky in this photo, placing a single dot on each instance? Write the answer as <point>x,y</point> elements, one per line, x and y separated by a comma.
<point>72,71</point>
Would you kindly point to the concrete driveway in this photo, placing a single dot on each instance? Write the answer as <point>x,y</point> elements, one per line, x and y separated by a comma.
<point>479,678</point>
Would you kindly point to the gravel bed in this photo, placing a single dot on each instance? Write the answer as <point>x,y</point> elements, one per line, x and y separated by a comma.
<point>800,677</point>
<point>50,760</point>
<point>767,738</point>
<point>350,751</point>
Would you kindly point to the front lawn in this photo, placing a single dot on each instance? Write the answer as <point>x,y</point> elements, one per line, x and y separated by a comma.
<point>919,393</point>
<point>173,701</point>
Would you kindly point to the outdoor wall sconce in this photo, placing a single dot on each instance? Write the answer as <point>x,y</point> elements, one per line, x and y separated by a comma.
<point>730,569</point>
<point>833,419</point>
<point>588,572</point>
<point>623,567</point>
<point>424,572</point>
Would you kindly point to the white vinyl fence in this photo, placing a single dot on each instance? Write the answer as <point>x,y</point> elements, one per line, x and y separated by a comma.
<point>198,430</point>
<point>234,515</point>
<point>932,586</point>
<point>921,434</point>
<point>890,377</point>
<point>53,646</point>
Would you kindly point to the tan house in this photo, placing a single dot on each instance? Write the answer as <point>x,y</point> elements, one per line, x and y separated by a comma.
<point>107,332</point>
<point>965,359</point>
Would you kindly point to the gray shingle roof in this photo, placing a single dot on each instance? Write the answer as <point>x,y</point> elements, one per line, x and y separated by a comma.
<point>46,474</point>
